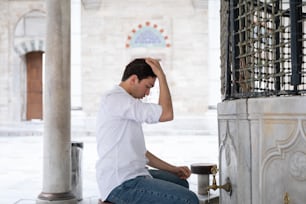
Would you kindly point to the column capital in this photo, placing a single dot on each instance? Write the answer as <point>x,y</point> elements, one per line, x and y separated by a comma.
<point>91,4</point>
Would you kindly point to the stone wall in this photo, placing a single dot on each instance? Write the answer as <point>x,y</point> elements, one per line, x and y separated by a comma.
<point>100,51</point>
<point>105,31</point>
<point>12,78</point>
<point>4,68</point>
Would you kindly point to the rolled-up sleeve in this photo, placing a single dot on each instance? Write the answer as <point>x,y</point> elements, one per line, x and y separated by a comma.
<point>135,109</point>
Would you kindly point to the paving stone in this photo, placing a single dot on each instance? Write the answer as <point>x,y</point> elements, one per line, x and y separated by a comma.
<point>22,162</point>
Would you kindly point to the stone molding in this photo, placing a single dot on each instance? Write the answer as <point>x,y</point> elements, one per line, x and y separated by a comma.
<point>227,145</point>
<point>29,46</point>
<point>200,4</point>
<point>91,4</point>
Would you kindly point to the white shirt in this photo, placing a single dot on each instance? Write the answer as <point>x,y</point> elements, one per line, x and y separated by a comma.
<point>121,146</point>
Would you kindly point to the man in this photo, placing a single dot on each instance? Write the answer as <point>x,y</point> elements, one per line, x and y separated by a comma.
<point>122,175</point>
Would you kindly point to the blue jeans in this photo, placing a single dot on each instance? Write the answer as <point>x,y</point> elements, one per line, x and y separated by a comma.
<point>163,188</point>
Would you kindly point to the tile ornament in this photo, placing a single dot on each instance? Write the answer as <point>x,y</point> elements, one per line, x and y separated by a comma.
<point>147,35</point>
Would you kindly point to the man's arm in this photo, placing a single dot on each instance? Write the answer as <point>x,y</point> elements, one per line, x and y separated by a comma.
<point>164,93</point>
<point>181,171</point>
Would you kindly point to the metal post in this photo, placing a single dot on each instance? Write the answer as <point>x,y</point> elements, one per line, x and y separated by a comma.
<point>296,42</point>
<point>277,50</point>
<point>227,60</point>
<point>234,27</point>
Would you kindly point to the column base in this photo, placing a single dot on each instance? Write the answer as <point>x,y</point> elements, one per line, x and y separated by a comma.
<point>56,198</point>
<point>72,201</point>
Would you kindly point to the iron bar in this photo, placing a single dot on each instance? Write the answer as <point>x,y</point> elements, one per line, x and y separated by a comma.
<point>234,26</point>
<point>227,60</point>
<point>264,52</point>
<point>277,48</point>
<point>296,44</point>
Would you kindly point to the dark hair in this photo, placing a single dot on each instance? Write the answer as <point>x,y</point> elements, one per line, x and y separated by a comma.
<point>140,68</point>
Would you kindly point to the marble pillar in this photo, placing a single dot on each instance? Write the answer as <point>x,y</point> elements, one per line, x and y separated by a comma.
<point>57,147</point>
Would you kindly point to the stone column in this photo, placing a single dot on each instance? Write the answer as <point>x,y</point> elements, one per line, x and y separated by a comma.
<point>57,148</point>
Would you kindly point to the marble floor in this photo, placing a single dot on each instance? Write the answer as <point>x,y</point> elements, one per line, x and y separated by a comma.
<point>22,162</point>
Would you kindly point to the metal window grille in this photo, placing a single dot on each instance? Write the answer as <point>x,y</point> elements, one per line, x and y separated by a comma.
<point>263,48</point>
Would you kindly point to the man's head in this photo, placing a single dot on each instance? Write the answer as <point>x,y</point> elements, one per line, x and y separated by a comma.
<point>138,78</point>
<point>140,68</point>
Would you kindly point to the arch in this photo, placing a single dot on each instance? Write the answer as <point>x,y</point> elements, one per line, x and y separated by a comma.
<point>147,35</point>
<point>30,46</point>
<point>26,38</point>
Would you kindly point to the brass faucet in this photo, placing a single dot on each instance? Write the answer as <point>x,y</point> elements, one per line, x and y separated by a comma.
<point>227,186</point>
<point>286,198</point>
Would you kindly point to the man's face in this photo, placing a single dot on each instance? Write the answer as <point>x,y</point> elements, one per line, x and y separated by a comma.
<point>142,88</point>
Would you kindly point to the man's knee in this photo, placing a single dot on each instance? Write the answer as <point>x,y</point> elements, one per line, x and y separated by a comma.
<point>193,198</point>
<point>184,183</point>
<point>101,202</point>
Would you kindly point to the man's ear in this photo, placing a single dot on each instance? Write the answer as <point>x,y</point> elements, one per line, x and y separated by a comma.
<point>133,79</point>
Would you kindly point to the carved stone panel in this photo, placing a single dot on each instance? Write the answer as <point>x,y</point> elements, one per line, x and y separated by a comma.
<point>228,164</point>
<point>263,150</point>
<point>234,152</point>
<point>283,164</point>
<point>278,149</point>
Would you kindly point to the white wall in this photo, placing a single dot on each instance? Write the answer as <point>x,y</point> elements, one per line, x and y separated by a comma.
<point>104,55</point>
<point>214,53</point>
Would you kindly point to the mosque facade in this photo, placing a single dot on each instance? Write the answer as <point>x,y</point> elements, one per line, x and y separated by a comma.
<point>105,36</point>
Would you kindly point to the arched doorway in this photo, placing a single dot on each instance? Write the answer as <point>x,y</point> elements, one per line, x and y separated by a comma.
<point>34,63</point>
<point>29,44</point>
